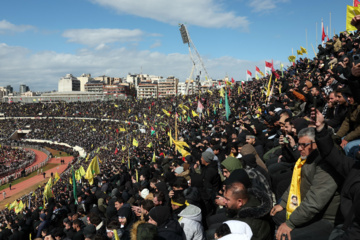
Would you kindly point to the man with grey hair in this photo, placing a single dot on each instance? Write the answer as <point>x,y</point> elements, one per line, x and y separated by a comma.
<point>308,208</point>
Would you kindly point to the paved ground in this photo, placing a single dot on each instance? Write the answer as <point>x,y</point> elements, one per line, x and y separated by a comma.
<point>30,184</point>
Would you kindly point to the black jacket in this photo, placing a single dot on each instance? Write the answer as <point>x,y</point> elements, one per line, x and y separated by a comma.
<point>255,213</point>
<point>349,169</point>
<point>211,177</point>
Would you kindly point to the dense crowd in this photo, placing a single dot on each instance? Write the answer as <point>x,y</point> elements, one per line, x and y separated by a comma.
<point>13,159</point>
<point>275,158</point>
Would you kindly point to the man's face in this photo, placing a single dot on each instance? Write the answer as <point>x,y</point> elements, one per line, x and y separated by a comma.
<point>250,140</point>
<point>226,173</point>
<point>156,201</point>
<point>142,178</point>
<point>332,98</point>
<point>314,92</point>
<point>216,152</point>
<point>340,99</point>
<point>118,205</point>
<point>287,128</point>
<point>230,201</point>
<point>306,146</point>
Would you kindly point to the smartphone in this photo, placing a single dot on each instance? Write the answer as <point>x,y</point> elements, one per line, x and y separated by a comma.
<point>285,140</point>
<point>356,58</point>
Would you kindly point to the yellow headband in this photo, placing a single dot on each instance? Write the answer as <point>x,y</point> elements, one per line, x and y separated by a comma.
<point>179,204</point>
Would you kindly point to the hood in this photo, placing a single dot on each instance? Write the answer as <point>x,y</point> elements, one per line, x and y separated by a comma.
<point>231,164</point>
<point>191,212</point>
<point>235,236</point>
<point>260,209</point>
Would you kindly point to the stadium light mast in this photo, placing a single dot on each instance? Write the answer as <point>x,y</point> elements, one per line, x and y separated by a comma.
<point>195,58</point>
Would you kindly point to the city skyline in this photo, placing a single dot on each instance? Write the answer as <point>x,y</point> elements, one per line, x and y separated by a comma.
<point>40,42</point>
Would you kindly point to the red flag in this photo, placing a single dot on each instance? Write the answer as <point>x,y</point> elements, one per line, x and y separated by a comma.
<point>272,66</point>
<point>249,73</point>
<point>356,3</point>
<point>232,80</point>
<point>257,69</point>
<point>116,150</point>
<point>268,65</point>
<point>323,32</point>
<point>117,130</point>
<point>219,83</point>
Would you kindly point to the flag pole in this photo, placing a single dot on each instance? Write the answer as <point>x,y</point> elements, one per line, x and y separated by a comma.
<point>330,24</point>
<point>316,34</point>
<point>307,54</point>
<point>313,49</point>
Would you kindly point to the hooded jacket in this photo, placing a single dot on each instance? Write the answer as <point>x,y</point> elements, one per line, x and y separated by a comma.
<point>256,214</point>
<point>231,164</point>
<point>249,149</point>
<point>190,221</point>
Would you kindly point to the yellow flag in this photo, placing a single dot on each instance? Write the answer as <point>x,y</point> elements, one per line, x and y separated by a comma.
<point>171,139</point>
<point>194,113</point>
<point>166,112</point>
<point>129,110</point>
<point>256,77</point>
<point>122,130</point>
<point>57,177</point>
<point>144,115</point>
<point>116,105</point>
<point>135,143</point>
<point>136,118</point>
<point>82,171</point>
<point>13,205</point>
<point>350,14</point>
<point>149,145</point>
<point>145,123</point>
<point>221,92</point>
<point>299,52</point>
<point>180,145</point>
<point>87,157</point>
<point>269,86</point>
<point>210,92</point>
<point>77,175</point>
<point>154,157</point>
<point>92,170</point>
<point>303,50</point>
<point>70,180</point>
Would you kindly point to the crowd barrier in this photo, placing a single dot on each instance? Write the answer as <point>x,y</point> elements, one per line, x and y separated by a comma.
<point>28,169</point>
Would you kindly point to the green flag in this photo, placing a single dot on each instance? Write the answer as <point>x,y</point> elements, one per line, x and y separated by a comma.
<point>227,107</point>
<point>74,184</point>
<point>188,119</point>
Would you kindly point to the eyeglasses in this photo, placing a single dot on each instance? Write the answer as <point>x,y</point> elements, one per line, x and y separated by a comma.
<point>304,145</point>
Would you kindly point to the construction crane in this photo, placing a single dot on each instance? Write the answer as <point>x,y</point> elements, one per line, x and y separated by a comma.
<point>198,65</point>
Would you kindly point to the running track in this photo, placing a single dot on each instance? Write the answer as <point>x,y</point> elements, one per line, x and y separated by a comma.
<point>39,157</point>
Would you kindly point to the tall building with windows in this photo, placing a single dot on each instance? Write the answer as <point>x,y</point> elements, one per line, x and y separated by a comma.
<point>69,83</point>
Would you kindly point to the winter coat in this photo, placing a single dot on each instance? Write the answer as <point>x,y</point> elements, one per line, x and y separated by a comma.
<point>211,176</point>
<point>171,229</point>
<point>319,196</point>
<point>190,221</point>
<point>350,128</point>
<point>349,169</point>
<point>256,214</point>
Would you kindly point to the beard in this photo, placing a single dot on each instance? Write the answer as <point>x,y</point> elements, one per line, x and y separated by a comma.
<point>231,213</point>
<point>303,157</point>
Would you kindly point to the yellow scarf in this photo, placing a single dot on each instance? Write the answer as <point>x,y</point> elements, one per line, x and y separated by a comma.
<point>294,198</point>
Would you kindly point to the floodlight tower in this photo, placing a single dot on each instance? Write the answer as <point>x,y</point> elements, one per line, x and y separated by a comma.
<point>195,58</point>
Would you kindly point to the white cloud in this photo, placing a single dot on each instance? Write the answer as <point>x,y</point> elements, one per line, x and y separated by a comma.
<point>42,70</point>
<point>99,37</point>
<point>204,13</point>
<point>6,27</point>
<point>265,5</point>
<point>156,44</point>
